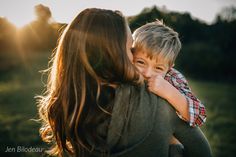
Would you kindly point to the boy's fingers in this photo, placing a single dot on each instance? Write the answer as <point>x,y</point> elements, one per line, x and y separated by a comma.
<point>149,83</point>
<point>149,88</point>
<point>151,79</point>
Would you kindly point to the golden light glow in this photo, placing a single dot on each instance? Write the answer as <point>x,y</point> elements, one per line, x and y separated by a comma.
<point>19,21</point>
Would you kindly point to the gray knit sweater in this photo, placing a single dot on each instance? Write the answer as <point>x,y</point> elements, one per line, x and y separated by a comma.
<point>142,124</point>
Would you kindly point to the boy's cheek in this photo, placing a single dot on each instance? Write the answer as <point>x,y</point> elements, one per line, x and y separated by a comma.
<point>139,68</point>
<point>164,74</point>
<point>141,71</point>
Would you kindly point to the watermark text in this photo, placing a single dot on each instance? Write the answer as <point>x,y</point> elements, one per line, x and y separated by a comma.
<point>24,149</point>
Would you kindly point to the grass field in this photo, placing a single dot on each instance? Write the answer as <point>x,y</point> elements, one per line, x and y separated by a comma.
<point>220,128</point>
<point>19,86</point>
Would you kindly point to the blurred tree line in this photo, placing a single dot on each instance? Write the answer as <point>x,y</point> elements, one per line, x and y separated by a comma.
<point>39,36</point>
<point>208,50</point>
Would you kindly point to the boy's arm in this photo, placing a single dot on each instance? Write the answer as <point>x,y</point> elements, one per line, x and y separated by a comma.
<point>159,86</point>
<point>197,111</point>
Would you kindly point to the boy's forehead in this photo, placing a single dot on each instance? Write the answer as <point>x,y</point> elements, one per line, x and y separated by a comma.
<point>152,56</point>
<point>160,59</point>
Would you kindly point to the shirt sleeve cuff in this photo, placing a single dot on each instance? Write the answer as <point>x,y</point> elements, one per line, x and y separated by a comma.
<point>191,112</point>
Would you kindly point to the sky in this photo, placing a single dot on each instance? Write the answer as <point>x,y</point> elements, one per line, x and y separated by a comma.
<point>21,12</point>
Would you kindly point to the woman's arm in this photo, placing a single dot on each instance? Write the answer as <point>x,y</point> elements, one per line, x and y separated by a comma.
<point>193,139</point>
<point>194,142</point>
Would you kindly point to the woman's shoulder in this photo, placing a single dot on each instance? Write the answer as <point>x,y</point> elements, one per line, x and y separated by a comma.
<point>140,97</point>
<point>134,117</point>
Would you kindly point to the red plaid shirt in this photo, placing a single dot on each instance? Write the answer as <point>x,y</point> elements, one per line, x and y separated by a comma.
<point>197,110</point>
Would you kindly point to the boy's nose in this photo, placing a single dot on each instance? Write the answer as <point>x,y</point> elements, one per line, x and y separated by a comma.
<point>147,73</point>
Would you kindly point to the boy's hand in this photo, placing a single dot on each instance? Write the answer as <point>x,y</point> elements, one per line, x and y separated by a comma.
<point>159,86</point>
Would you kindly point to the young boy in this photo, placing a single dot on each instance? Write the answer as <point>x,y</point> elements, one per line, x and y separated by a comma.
<point>155,49</point>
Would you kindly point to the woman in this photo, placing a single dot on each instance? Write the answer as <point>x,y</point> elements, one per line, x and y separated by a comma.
<point>96,104</point>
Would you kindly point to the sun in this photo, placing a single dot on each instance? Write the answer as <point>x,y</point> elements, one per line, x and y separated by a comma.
<point>19,22</point>
<point>19,18</point>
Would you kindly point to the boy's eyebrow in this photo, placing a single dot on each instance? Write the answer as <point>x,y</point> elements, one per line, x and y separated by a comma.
<point>138,58</point>
<point>161,65</point>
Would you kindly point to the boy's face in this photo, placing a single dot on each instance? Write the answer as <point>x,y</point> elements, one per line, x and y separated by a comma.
<point>150,67</point>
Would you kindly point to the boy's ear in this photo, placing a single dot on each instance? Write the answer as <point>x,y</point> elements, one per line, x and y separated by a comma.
<point>172,65</point>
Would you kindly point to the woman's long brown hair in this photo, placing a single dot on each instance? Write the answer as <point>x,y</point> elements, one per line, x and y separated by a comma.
<point>90,52</point>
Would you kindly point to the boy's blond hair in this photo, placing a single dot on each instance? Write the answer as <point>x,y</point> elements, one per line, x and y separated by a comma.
<point>157,40</point>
